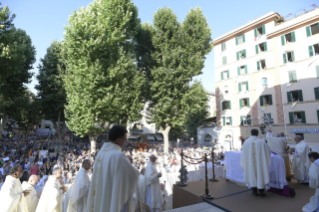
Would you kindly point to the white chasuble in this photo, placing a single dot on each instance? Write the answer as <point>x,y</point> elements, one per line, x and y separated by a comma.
<point>153,190</point>
<point>12,197</point>
<point>313,183</point>
<point>66,199</point>
<point>278,145</point>
<point>255,160</point>
<point>80,192</point>
<point>114,181</point>
<point>301,162</point>
<point>51,197</point>
<point>32,199</point>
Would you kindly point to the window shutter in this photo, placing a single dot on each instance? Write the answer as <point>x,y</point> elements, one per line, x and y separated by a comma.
<point>293,37</point>
<point>221,76</point>
<point>317,93</point>
<point>236,41</point>
<point>248,104</point>
<point>241,120</point>
<point>289,96</point>
<point>310,51</point>
<point>230,121</point>
<point>290,76</point>
<point>283,40</point>
<point>247,88</point>
<point>224,121</point>
<point>240,103</point>
<point>293,56</point>
<point>238,71</point>
<point>258,65</point>
<point>317,70</point>
<point>291,117</point>
<point>246,71</point>
<point>294,76</point>
<point>270,99</point>
<point>318,115</point>
<point>300,97</point>
<point>264,29</point>
<point>229,105</point>
<point>227,74</point>
<point>244,53</point>
<point>237,55</point>
<point>261,99</point>
<point>239,87</point>
<point>285,58</point>
<point>243,38</point>
<point>303,117</point>
<point>265,46</point>
<point>257,49</point>
<point>308,31</point>
<point>223,105</point>
<point>255,31</point>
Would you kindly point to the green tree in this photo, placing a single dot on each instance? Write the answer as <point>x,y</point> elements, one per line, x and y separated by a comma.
<point>102,82</point>
<point>179,52</point>
<point>51,91</point>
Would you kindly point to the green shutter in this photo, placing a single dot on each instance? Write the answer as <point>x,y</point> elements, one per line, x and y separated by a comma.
<point>300,97</point>
<point>247,88</point>
<point>241,120</point>
<point>270,99</point>
<point>237,55</point>
<point>283,40</point>
<point>303,117</point>
<point>257,49</point>
<point>258,65</point>
<point>240,103</point>
<point>291,118</point>
<point>238,71</point>
<point>317,93</point>
<point>293,56</point>
<point>318,115</point>
<point>230,121</point>
<point>244,53</point>
<point>246,69</point>
<point>293,37</point>
<point>265,46</point>
<point>289,96</point>
<point>239,87</point>
<point>310,51</point>
<point>294,76</point>
<point>285,58</point>
<point>229,105</point>
<point>261,99</point>
<point>224,121</point>
<point>290,76</point>
<point>227,74</point>
<point>243,38</point>
<point>236,41</point>
<point>308,31</point>
<point>221,76</point>
<point>248,104</point>
<point>317,70</point>
<point>264,29</point>
<point>255,31</point>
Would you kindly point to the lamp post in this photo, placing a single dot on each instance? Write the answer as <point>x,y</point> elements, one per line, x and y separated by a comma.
<point>206,195</point>
<point>213,179</point>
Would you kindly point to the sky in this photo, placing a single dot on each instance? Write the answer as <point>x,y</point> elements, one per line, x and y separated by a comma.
<point>43,20</point>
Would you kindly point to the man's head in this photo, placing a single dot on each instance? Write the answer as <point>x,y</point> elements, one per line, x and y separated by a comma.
<point>298,138</point>
<point>57,172</point>
<point>117,135</point>
<point>280,134</point>
<point>254,132</point>
<point>153,158</point>
<point>86,164</point>
<point>313,156</point>
<point>16,171</point>
<point>33,179</point>
<point>36,164</point>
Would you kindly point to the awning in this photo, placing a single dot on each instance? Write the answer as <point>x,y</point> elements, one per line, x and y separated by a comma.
<point>158,138</point>
<point>150,138</point>
<point>134,137</point>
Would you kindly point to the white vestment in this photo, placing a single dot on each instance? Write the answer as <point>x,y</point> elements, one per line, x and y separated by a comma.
<point>278,145</point>
<point>12,197</point>
<point>66,199</point>
<point>80,192</point>
<point>114,181</point>
<point>313,183</point>
<point>153,190</point>
<point>301,162</point>
<point>51,197</point>
<point>277,172</point>
<point>141,188</point>
<point>164,198</point>
<point>32,199</point>
<point>255,160</point>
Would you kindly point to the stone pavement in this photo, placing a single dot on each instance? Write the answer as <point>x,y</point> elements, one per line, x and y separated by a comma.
<point>201,207</point>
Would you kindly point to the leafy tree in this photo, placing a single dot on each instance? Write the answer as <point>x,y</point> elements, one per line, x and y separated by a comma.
<point>51,91</point>
<point>179,52</point>
<point>102,82</point>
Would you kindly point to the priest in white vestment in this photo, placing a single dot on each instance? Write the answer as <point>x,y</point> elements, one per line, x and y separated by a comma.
<point>277,144</point>
<point>114,179</point>
<point>164,197</point>
<point>12,195</point>
<point>152,184</point>
<point>51,198</point>
<point>80,189</point>
<point>301,160</point>
<point>255,160</point>
<point>33,198</point>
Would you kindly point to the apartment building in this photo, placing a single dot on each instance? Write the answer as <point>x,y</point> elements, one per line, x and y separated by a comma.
<point>211,103</point>
<point>263,70</point>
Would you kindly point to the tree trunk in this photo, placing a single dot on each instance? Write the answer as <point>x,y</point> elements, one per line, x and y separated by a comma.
<point>165,133</point>
<point>3,123</point>
<point>93,139</point>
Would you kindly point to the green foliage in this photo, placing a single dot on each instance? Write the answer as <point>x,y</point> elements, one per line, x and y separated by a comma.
<point>101,78</point>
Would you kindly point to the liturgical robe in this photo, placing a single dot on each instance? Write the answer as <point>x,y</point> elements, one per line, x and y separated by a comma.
<point>114,181</point>
<point>32,199</point>
<point>80,192</point>
<point>66,199</point>
<point>51,197</point>
<point>301,162</point>
<point>153,190</point>
<point>12,197</point>
<point>255,160</point>
<point>278,145</point>
<point>313,183</point>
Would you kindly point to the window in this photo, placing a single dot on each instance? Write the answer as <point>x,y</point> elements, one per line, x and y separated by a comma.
<point>260,31</point>
<point>226,89</point>
<point>242,70</point>
<point>241,54</point>
<point>292,76</point>
<point>317,93</point>
<point>314,49</point>
<point>297,117</point>
<point>264,82</point>
<point>266,119</point>
<point>290,56</point>
<point>261,47</point>
<point>295,96</point>
<point>244,103</point>
<point>240,39</point>
<point>265,100</point>
<point>288,38</point>
<point>312,30</point>
<point>224,75</point>
<point>223,46</point>
<point>317,70</point>
<point>318,115</point>
<point>227,121</point>
<point>226,105</point>
<point>245,120</point>
<point>243,86</point>
<point>261,65</point>
<point>224,60</point>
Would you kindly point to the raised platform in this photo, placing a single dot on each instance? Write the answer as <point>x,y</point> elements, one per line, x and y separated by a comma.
<point>232,197</point>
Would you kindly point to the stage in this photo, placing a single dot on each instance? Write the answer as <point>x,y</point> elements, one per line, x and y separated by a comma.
<point>232,197</point>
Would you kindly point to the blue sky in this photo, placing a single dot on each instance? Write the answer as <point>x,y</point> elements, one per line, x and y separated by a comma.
<point>43,20</point>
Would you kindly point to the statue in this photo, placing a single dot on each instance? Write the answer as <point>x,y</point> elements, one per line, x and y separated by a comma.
<point>184,174</point>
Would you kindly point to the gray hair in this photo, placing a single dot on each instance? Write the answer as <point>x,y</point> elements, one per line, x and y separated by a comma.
<point>14,169</point>
<point>299,137</point>
<point>281,134</point>
<point>86,162</point>
<point>55,170</point>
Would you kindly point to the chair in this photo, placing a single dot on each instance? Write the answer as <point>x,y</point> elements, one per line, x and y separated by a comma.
<point>143,207</point>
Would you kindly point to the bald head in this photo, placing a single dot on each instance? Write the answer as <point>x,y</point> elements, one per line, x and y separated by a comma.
<point>33,179</point>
